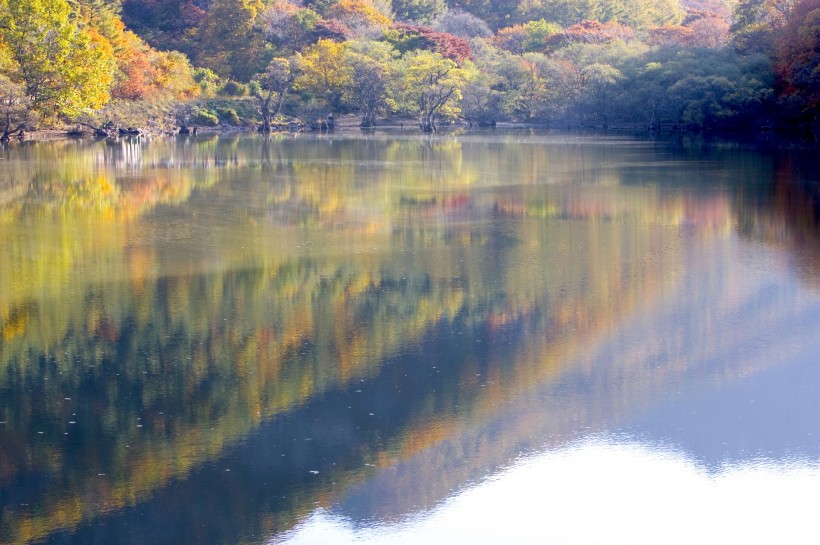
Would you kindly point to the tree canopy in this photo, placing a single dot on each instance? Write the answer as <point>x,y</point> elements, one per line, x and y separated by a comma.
<point>599,62</point>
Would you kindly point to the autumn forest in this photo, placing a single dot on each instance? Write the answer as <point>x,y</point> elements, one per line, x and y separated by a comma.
<point>161,65</point>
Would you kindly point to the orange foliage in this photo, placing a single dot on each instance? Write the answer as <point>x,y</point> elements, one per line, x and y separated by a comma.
<point>146,72</point>
<point>137,71</point>
<point>591,32</point>
<point>511,38</point>
<point>670,35</point>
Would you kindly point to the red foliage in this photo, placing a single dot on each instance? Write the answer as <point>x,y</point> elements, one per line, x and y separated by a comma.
<point>191,14</point>
<point>798,62</point>
<point>449,46</point>
<point>330,29</point>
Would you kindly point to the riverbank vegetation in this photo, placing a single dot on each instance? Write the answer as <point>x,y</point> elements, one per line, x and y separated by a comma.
<point>110,65</point>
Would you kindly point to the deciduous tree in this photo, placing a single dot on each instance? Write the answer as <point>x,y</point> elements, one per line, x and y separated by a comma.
<point>429,86</point>
<point>418,11</point>
<point>462,24</point>
<point>756,23</point>
<point>63,67</point>
<point>230,41</point>
<point>270,88</point>
<point>798,59</point>
<point>15,108</point>
<point>371,69</point>
<point>324,74</point>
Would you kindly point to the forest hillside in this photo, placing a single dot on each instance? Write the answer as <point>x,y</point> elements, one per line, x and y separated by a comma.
<point>106,65</point>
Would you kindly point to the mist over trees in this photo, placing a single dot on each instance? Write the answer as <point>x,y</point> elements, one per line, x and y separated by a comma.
<point>684,64</point>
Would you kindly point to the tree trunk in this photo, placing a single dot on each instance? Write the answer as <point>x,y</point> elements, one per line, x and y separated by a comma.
<point>427,123</point>
<point>368,119</point>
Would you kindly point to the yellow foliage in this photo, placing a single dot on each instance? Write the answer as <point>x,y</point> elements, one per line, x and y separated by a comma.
<point>359,12</point>
<point>323,69</point>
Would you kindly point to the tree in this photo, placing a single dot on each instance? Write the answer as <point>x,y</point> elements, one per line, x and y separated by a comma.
<point>429,86</point>
<point>526,38</point>
<point>534,86</point>
<point>495,14</point>
<point>708,30</point>
<point>411,37</point>
<point>230,42</point>
<point>418,11</point>
<point>324,74</point>
<point>600,84</point>
<point>480,103</point>
<point>145,73</point>
<point>798,59</point>
<point>271,87</point>
<point>638,14</point>
<point>756,23</point>
<point>15,110</point>
<point>370,72</point>
<point>63,67</point>
<point>590,32</point>
<point>670,35</point>
<point>287,25</point>
<point>462,24</point>
<point>715,88</point>
<point>361,16</point>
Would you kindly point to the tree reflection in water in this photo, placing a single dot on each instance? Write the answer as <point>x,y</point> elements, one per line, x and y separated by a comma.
<point>204,339</point>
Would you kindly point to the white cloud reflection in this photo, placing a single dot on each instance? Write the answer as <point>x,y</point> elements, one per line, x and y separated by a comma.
<point>606,492</point>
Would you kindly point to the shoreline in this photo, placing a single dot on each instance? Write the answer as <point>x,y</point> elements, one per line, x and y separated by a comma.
<point>348,122</point>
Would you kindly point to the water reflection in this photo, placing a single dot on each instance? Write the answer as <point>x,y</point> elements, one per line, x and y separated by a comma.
<point>606,490</point>
<point>206,339</point>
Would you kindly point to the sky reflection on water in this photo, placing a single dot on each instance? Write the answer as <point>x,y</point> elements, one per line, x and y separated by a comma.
<point>488,338</point>
<point>613,490</point>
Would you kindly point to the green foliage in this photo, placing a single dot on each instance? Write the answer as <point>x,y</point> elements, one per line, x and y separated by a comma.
<point>756,23</point>
<point>429,86</point>
<point>204,117</point>
<point>208,81</point>
<point>495,14</point>
<point>638,14</point>
<point>536,32</point>
<point>228,116</point>
<point>232,88</point>
<point>533,86</point>
<point>573,61</point>
<point>480,102</point>
<point>697,89</point>
<point>230,42</point>
<point>371,67</point>
<point>418,11</point>
<point>270,88</point>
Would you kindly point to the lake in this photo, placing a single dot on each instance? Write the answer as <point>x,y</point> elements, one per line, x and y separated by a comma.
<point>486,337</point>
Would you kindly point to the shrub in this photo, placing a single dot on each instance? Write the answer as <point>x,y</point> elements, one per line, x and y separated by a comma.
<point>228,116</point>
<point>233,89</point>
<point>205,117</point>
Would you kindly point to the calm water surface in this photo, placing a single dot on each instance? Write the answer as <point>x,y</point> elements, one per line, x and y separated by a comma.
<point>486,338</point>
